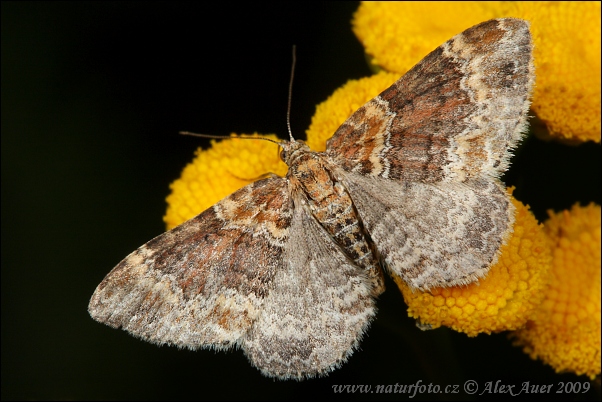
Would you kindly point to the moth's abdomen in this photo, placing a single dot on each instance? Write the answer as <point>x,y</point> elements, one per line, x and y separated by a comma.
<point>331,205</point>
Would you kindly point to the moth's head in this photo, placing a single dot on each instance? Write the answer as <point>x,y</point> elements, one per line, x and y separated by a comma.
<point>291,150</point>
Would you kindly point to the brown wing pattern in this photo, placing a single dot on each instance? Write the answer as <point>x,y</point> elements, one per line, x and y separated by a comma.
<point>203,283</point>
<point>454,116</point>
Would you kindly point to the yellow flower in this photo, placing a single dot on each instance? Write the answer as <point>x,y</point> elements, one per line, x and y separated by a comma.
<point>564,331</point>
<point>503,300</point>
<point>397,35</point>
<point>567,64</point>
<point>566,35</point>
<point>219,171</point>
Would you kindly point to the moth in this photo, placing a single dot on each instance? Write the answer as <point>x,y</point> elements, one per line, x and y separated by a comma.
<point>287,268</point>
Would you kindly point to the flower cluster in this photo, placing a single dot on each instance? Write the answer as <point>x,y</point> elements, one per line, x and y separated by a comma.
<point>546,281</point>
<point>566,35</point>
<point>503,300</point>
<point>564,331</point>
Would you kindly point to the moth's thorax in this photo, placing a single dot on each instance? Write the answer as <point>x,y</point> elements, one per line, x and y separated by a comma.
<point>313,178</point>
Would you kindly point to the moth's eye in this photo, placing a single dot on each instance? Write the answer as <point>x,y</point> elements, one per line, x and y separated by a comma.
<point>283,154</point>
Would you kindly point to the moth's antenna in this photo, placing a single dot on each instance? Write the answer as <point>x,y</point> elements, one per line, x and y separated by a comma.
<point>290,95</point>
<point>288,113</point>
<point>223,137</point>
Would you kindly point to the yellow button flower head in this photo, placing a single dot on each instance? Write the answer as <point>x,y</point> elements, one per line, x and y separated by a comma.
<point>501,301</point>
<point>567,63</point>
<point>397,35</point>
<point>219,171</point>
<point>564,331</point>
<point>567,50</point>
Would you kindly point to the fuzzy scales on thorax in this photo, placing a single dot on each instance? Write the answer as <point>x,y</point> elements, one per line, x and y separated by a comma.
<point>314,182</point>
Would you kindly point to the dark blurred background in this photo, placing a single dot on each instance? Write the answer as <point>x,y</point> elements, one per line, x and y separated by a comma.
<point>93,96</point>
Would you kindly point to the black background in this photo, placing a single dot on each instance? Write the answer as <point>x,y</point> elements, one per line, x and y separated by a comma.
<point>93,95</point>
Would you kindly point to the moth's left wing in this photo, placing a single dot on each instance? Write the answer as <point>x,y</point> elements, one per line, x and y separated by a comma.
<point>203,283</point>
